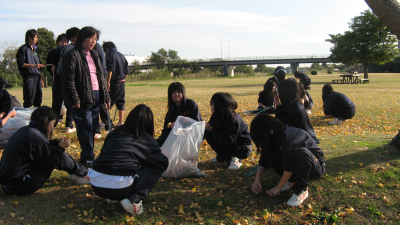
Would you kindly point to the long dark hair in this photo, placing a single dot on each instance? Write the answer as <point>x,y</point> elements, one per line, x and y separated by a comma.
<point>139,122</point>
<point>265,131</point>
<point>302,91</point>
<point>86,32</point>
<point>326,90</point>
<point>176,86</point>
<point>42,116</point>
<point>224,108</point>
<point>268,87</point>
<point>288,91</point>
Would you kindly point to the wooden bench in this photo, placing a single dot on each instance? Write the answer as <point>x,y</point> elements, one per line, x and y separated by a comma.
<point>364,81</point>
<point>337,81</point>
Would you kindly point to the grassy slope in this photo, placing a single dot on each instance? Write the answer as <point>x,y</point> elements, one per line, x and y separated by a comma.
<point>224,196</point>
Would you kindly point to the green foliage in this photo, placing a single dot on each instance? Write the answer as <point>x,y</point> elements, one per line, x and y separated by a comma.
<point>45,44</point>
<point>245,69</point>
<point>136,67</point>
<point>368,41</point>
<point>8,63</point>
<point>163,57</point>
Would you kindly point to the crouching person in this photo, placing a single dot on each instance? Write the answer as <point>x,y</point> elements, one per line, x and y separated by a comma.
<point>291,152</point>
<point>130,162</point>
<point>29,157</point>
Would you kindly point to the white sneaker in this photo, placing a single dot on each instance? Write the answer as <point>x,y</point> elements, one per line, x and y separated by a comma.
<point>72,177</point>
<point>214,160</point>
<point>70,130</point>
<point>109,201</point>
<point>132,208</point>
<point>336,121</point>
<point>97,136</point>
<point>235,164</point>
<point>308,111</point>
<point>83,180</point>
<point>102,125</point>
<point>296,200</point>
<point>287,186</point>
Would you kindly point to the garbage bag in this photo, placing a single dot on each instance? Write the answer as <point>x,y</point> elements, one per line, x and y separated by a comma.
<point>20,120</point>
<point>182,148</point>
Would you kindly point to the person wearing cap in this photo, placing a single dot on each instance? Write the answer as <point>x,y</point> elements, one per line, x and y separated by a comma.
<point>280,73</point>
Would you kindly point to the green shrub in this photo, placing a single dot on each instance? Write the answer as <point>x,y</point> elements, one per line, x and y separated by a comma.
<point>313,72</point>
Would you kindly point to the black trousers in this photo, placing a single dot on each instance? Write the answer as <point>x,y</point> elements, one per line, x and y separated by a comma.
<point>225,153</point>
<point>138,191</point>
<point>306,83</point>
<point>341,113</point>
<point>117,95</point>
<point>35,178</point>
<point>58,98</point>
<point>104,115</point>
<point>32,91</point>
<point>306,168</point>
<point>69,117</point>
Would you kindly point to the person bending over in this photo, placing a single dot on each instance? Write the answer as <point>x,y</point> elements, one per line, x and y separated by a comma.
<point>30,157</point>
<point>130,162</point>
<point>304,79</point>
<point>291,152</point>
<point>226,132</point>
<point>266,97</point>
<point>337,105</point>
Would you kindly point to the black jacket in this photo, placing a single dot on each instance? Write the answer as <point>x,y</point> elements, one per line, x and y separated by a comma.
<point>303,77</point>
<point>26,55</point>
<point>190,109</point>
<point>339,100</point>
<point>5,101</point>
<point>50,59</point>
<point>124,154</point>
<point>76,81</point>
<point>288,142</point>
<point>225,136</point>
<point>28,148</point>
<point>116,63</point>
<point>296,116</point>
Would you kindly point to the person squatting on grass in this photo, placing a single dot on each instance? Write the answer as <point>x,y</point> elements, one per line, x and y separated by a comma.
<point>337,105</point>
<point>290,111</point>
<point>291,152</point>
<point>117,70</point>
<point>85,89</point>
<point>304,79</point>
<point>280,73</point>
<point>5,113</point>
<point>29,156</point>
<point>305,98</point>
<point>226,132</point>
<point>130,162</point>
<point>178,105</point>
<point>29,68</point>
<point>266,97</point>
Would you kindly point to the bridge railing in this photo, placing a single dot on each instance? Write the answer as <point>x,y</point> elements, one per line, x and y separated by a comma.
<point>253,58</point>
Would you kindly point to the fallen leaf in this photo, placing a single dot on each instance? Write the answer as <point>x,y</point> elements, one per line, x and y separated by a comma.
<point>341,214</point>
<point>361,165</point>
<point>181,209</point>
<point>12,215</point>
<point>219,203</point>
<point>71,205</point>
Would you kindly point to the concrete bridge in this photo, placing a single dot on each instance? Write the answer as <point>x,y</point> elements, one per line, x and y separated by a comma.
<point>229,64</point>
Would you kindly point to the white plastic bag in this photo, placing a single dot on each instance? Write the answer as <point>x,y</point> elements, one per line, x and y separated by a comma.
<point>21,119</point>
<point>182,148</point>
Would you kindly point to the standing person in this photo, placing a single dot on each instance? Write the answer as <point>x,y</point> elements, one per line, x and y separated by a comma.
<point>29,65</point>
<point>178,105</point>
<point>290,111</point>
<point>56,69</point>
<point>291,152</point>
<point>226,132</point>
<point>30,157</point>
<point>85,89</point>
<point>280,73</point>
<point>337,105</point>
<point>266,97</point>
<point>130,162</point>
<point>304,79</point>
<point>117,70</point>
<point>56,84</point>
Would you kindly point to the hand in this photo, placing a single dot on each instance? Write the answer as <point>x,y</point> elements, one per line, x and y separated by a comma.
<point>172,125</point>
<point>276,100</point>
<point>256,188</point>
<point>108,106</point>
<point>12,113</point>
<point>38,66</point>
<point>208,127</point>
<point>42,83</point>
<point>76,106</point>
<point>65,143</point>
<point>108,87</point>
<point>274,191</point>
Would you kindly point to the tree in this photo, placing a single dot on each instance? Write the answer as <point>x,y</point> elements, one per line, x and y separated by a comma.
<point>163,57</point>
<point>388,11</point>
<point>369,41</point>
<point>8,63</point>
<point>136,67</point>
<point>45,44</point>
<point>261,68</point>
<point>244,69</point>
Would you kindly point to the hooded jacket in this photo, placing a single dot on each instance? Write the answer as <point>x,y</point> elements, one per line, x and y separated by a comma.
<point>25,54</point>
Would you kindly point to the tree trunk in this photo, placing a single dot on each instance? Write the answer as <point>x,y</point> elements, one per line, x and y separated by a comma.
<point>388,11</point>
<point>365,70</point>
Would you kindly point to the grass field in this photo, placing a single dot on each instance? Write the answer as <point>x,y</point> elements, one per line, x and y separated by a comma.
<point>361,184</point>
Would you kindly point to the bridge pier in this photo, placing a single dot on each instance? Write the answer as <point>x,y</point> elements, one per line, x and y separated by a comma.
<point>229,70</point>
<point>294,66</point>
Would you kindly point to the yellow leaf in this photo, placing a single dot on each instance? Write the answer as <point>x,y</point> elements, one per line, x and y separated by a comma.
<point>71,205</point>
<point>15,202</point>
<point>385,199</point>
<point>12,215</point>
<point>228,208</point>
<point>342,214</point>
<point>228,215</point>
<point>380,185</point>
<point>219,203</point>
<point>85,213</point>
<point>349,210</point>
<point>181,209</point>
<point>193,189</point>
<point>360,165</point>
<point>198,216</point>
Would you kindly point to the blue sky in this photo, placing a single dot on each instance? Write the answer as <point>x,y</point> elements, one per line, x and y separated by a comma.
<point>193,28</point>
